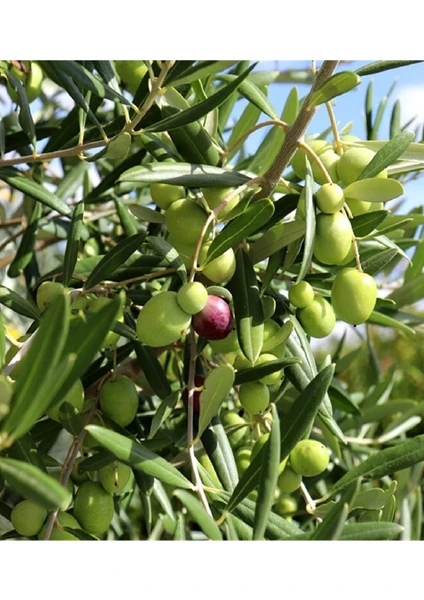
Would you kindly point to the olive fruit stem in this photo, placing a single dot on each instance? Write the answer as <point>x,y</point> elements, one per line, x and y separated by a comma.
<point>348,213</point>
<point>295,132</point>
<point>310,502</point>
<point>337,143</point>
<point>317,159</point>
<point>191,387</point>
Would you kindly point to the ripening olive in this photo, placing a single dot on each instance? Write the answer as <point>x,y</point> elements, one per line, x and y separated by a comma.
<point>353,295</point>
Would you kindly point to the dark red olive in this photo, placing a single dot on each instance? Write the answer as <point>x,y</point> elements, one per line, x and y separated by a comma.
<point>215,321</point>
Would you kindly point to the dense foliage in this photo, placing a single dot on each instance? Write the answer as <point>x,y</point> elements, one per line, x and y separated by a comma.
<point>163,281</point>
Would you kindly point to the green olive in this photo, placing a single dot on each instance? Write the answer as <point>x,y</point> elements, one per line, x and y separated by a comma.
<point>162,321</point>
<point>254,397</point>
<point>164,194</point>
<point>94,508</point>
<point>28,517</point>
<point>58,533</point>
<point>220,269</point>
<point>289,480</point>
<point>298,161</point>
<point>119,400</point>
<point>330,198</point>
<point>309,458</point>
<point>353,162</point>
<point>353,295</point>
<point>242,457</point>
<point>333,238</point>
<point>74,397</point>
<point>192,297</point>
<point>301,294</point>
<point>114,477</point>
<point>32,81</point>
<point>236,427</point>
<point>185,220</point>
<point>214,197</point>
<point>131,72</point>
<point>318,318</point>
<point>47,292</point>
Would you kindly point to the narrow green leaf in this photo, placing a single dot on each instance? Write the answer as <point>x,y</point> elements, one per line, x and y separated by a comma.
<point>414,269</point>
<point>33,484</point>
<point>90,82</point>
<point>387,155</point>
<point>363,224</point>
<point>199,110</point>
<point>2,343</point>
<point>334,86</point>
<point>409,293</point>
<point>199,514</point>
<point>15,179</point>
<point>384,462</point>
<point>256,373</point>
<point>371,531</point>
<point>152,370</point>
<point>217,446</point>
<point>374,498</point>
<point>256,215</point>
<point>254,95</point>
<point>380,113</point>
<point>375,264</point>
<point>185,174</point>
<point>29,396</point>
<point>165,409</point>
<point>217,386</point>
<point>2,138</point>
<point>247,120</point>
<point>395,127</point>
<point>114,259</point>
<point>304,410</point>
<point>67,83</point>
<point>368,108</point>
<point>25,251</point>
<point>268,478</point>
<point>279,236</point>
<point>144,213</point>
<point>199,70</point>
<point>279,338</point>
<point>72,245</point>
<point>384,65</point>
<point>126,219</point>
<point>308,245</point>
<point>374,189</point>
<point>247,307</point>
<point>163,248</point>
<point>139,457</point>
<point>248,481</point>
<point>381,319</point>
<point>25,117</point>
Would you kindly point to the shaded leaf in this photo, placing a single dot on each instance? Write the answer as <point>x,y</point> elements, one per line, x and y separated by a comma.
<point>72,245</point>
<point>387,155</point>
<point>279,236</point>
<point>199,514</point>
<point>336,85</point>
<point>164,410</point>
<point>163,248</point>
<point>216,387</point>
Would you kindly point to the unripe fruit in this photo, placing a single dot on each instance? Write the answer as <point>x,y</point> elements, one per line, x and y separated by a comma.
<point>186,251</point>
<point>131,72</point>
<point>317,319</point>
<point>74,397</point>
<point>220,269</point>
<point>119,400</point>
<point>114,477</point>
<point>58,533</point>
<point>93,507</point>
<point>353,295</point>
<point>162,321</point>
<point>271,328</point>
<point>330,161</point>
<point>192,297</point>
<point>254,397</point>
<point>242,457</point>
<point>272,377</point>
<point>185,220</point>
<point>31,80</point>
<point>6,392</point>
<point>353,162</point>
<point>78,476</point>
<point>214,197</point>
<point>268,306</point>
<point>232,420</point>
<point>289,480</point>
<point>309,458</point>
<point>111,338</point>
<point>358,207</point>
<point>241,362</point>
<point>215,321</point>
<point>28,517</point>
<point>164,194</point>
<point>228,344</point>
<point>47,292</point>
<point>330,198</point>
<point>333,238</point>
<point>285,505</point>
<point>298,162</point>
<point>301,294</point>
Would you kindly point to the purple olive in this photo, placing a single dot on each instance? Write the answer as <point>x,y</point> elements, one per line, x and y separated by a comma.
<point>215,321</point>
